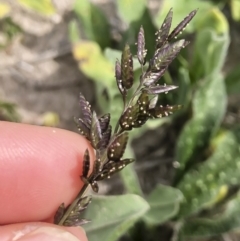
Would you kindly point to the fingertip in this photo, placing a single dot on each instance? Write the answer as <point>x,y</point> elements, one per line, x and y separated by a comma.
<point>41,232</point>
<point>40,169</point>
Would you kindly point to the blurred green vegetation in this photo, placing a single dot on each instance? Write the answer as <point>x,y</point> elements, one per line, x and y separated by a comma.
<point>204,198</point>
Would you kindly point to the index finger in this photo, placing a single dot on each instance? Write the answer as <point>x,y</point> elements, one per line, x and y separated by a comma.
<point>39,169</point>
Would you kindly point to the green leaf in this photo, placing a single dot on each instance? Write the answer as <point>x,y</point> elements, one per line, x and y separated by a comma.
<point>130,10</point>
<point>235,9</point>
<point>164,204</point>
<point>182,8</point>
<point>8,112</point>
<point>210,99</point>
<point>112,216</point>
<point>93,63</point>
<point>44,7</point>
<point>223,222</point>
<point>74,33</point>
<point>215,20</point>
<point>129,175</point>
<point>209,53</point>
<point>232,80</point>
<point>209,106</point>
<point>184,89</point>
<point>209,184</point>
<point>95,23</point>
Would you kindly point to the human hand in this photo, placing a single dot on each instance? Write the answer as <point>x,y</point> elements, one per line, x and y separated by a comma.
<point>39,169</point>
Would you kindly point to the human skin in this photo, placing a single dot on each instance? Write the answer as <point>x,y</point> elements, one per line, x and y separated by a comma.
<point>39,170</point>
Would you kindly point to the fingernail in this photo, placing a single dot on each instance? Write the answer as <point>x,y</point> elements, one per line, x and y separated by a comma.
<point>49,233</point>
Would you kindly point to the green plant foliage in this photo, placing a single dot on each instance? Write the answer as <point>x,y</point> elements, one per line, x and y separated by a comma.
<point>93,63</point>
<point>206,186</point>
<point>214,19</point>
<point>223,222</point>
<point>74,34</point>
<point>44,7</point>
<point>209,105</point>
<point>164,204</point>
<point>95,24</point>
<point>130,10</point>
<point>129,175</point>
<point>8,112</point>
<point>184,90</point>
<point>182,8</point>
<point>209,54</point>
<point>235,9</point>
<point>113,215</point>
<point>232,80</point>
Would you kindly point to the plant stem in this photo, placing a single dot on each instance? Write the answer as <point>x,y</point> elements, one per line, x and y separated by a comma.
<point>73,204</point>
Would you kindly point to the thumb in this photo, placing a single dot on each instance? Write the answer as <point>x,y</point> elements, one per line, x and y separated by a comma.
<point>41,232</point>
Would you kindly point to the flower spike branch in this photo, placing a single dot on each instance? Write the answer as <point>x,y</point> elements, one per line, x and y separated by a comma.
<point>137,110</point>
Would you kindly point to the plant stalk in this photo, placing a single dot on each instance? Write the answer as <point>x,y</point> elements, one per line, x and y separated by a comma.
<point>73,204</point>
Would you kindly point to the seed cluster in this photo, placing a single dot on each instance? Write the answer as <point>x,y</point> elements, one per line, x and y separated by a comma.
<point>141,106</point>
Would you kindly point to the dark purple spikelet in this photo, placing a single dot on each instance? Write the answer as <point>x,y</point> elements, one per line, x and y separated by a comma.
<point>86,164</point>
<point>181,26</point>
<point>117,147</point>
<point>141,51</point>
<point>127,68</point>
<point>163,32</point>
<point>129,117</point>
<point>74,219</point>
<point>158,89</point>
<point>104,121</point>
<point>82,128</point>
<point>59,214</point>
<point>162,111</point>
<point>118,76</point>
<point>96,133</point>
<point>94,186</point>
<point>161,60</point>
<point>113,167</point>
<point>86,110</point>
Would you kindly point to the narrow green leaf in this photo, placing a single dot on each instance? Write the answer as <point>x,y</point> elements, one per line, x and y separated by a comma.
<point>235,9</point>
<point>112,216</point>
<point>206,186</point>
<point>129,175</point>
<point>184,89</point>
<point>164,204</point>
<point>73,30</point>
<point>209,52</point>
<point>95,23</point>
